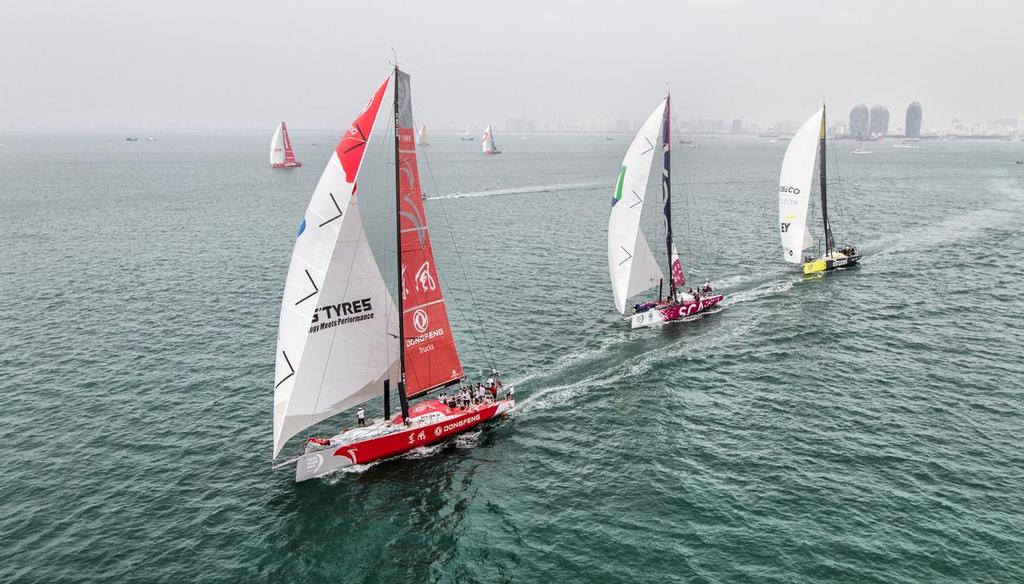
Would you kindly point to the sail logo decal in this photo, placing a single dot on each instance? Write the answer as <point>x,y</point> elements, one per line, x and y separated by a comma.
<point>420,321</point>
<point>785,195</point>
<point>302,227</point>
<point>424,336</point>
<point>618,186</point>
<point>332,315</point>
<point>424,279</point>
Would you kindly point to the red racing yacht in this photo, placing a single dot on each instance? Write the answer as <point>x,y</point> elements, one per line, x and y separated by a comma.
<point>281,153</point>
<point>343,339</point>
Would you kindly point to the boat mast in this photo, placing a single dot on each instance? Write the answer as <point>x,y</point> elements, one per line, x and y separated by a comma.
<point>666,190</point>
<point>398,255</point>
<point>829,244</point>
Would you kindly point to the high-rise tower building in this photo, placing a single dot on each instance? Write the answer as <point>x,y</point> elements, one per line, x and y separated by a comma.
<point>913,126</point>
<point>859,118</point>
<point>879,125</point>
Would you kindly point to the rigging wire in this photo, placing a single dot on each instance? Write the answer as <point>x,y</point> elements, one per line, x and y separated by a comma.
<point>485,347</point>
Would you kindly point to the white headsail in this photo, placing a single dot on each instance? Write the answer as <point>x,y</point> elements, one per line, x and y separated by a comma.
<point>795,189</point>
<point>277,146</point>
<point>631,264</point>
<point>488,141</point>
<point>337,337</point>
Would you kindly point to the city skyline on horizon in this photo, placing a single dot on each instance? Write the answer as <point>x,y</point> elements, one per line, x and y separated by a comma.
<point>136,64</point>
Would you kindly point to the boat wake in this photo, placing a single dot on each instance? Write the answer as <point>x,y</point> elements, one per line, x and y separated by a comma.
<point>758,292</point>
<point>517,191</point>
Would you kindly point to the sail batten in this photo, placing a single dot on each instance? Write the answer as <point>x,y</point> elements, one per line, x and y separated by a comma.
<point>632,266</point>
<point>795,189</point>
<point>338,326</point>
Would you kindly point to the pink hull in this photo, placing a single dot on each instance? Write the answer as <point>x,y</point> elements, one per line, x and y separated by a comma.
<point>678,311</point>
<point>671,312</point>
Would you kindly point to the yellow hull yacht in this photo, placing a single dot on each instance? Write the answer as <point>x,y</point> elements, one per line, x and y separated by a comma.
<point>795,183</point>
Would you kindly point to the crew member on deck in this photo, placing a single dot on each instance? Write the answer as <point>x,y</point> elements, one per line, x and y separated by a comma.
<point>361,416</point>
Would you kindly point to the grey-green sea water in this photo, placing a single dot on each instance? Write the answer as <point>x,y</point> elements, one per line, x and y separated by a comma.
<point>861,427</point>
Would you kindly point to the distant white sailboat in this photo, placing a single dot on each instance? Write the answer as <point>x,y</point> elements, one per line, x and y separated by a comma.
<point>423,139</point>
<point>860,149</point>
<point>487,142</point>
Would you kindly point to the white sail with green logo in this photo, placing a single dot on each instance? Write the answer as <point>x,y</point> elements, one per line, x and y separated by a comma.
<point>631,264</point>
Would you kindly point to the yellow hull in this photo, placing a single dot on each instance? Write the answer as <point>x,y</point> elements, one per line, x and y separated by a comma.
<point>815,267</point>
<point>825,264</point>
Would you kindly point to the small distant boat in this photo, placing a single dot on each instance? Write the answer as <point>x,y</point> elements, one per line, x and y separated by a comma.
<point>609,138</point>
<point>131,139</point>
<point>858,150</point>
<point>423,139</point>
<point>487,142</point>
<point>684,141</point>
<point>150,139</point>
<point>466,137</point>
<point>1020,162</point>
<point>795,183</point>
<point>902,145</point>
<point>281,154</point>
<point>631,265</point>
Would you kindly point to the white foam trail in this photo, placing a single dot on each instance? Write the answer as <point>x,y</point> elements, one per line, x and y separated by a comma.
<point>424,451</point>
<point>469,439</point>
<point>767,289</point>
<point>518,191</point>
<point>570,360</point>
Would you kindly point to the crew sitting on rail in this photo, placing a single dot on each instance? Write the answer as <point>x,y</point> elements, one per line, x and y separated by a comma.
<point>644,307</point>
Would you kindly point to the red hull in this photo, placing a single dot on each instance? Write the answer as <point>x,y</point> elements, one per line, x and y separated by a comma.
<point>451,421</point>
<point>404,441</point>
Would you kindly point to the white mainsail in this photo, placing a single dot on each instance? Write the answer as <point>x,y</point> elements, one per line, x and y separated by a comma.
<point>337,336</point>
<point>277,146</point>
<point>795,189</point>
<point>424,136</point>
<point>631,264</point>
<point>488,141</point>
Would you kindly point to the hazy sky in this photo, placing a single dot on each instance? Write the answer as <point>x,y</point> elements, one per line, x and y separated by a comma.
<point>235,64</point>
